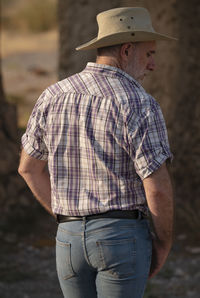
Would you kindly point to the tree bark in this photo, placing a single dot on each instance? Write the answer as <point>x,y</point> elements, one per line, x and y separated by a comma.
<point>77,25</point>
<point>186,111</point>
<point>14,196</point>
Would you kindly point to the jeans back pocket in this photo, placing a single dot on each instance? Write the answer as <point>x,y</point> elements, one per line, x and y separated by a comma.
<point>117,257</point>
<point>63,260</point>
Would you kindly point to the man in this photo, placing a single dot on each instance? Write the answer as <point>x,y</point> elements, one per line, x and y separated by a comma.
<point>106,145</point>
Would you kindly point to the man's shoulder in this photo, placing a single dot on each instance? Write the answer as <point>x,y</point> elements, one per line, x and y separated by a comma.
<point>148,102</point>
<point>139,101</point>
<point>60,87</point>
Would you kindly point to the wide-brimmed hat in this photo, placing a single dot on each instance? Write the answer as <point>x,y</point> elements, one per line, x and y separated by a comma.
<point>121,25</point>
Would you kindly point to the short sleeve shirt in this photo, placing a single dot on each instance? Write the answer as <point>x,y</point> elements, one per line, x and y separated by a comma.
<point>102,134</point>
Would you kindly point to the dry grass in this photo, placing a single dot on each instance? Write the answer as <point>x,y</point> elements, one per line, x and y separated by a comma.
<point>29,65</point>
<point>21,42</point>
<point>31,16</point>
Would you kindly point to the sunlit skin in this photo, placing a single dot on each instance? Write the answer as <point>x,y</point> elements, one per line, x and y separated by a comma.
<point>141,60</point>
<point>136,59</point>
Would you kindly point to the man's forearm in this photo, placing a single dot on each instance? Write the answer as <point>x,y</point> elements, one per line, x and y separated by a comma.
<point>159,196</point>
<point>39,183</point>
<point>37,177</point>
<point>161,209</point>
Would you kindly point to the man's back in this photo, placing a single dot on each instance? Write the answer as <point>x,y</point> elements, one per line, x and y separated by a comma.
<point>92,130</point>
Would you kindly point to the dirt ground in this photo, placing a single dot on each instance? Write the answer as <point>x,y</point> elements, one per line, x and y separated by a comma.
<point>27,267</point>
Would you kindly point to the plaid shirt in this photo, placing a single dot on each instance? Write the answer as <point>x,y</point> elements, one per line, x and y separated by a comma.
<point>102,134</point>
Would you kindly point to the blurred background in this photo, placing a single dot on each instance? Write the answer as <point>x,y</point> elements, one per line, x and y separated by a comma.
<point>38,40</point>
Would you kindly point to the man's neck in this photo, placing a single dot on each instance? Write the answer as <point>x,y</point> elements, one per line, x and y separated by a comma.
<point>113,61</point>
<point>107,60</point>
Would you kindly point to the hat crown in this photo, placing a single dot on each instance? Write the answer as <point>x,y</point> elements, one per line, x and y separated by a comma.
<point>122,20</point>
<point>121,25</point>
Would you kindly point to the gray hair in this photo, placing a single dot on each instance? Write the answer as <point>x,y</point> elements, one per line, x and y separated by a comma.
<point>111,50</point>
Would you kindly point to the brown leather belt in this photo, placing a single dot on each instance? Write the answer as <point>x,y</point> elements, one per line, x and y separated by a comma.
<point>126,214</point>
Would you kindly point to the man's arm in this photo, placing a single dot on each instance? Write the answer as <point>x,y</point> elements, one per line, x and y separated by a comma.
<point>37,177</point>
<point>159,197</point>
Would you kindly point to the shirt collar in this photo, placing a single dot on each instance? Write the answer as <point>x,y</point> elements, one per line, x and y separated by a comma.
<point>112,71</point>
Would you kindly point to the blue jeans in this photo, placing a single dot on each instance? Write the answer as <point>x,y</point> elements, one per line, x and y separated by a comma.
<point>103,258</point>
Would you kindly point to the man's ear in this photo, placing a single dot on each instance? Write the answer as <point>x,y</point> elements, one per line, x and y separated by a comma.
<point>125,50</point>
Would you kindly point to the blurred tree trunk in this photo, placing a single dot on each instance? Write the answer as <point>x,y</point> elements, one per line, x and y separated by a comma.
<point>2,96</point>
<point>13,191</point>
<point>186,112</point>
<point>77,25</point>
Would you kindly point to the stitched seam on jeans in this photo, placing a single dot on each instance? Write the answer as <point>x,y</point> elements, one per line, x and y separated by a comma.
<point>98,231</point>
<point>115,241</point>
<point>68,232</point>
<point>101,255</point>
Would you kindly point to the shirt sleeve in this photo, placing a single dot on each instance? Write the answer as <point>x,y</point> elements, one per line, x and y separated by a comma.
<point>149,142</point>
<point>33,140</point>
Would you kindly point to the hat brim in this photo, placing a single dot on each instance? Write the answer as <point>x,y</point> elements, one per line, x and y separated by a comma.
<point>123,37</point>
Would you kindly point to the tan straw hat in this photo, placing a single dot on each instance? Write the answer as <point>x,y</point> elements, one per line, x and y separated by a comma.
<point>121,25</point>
